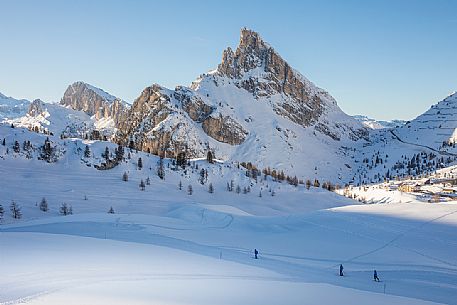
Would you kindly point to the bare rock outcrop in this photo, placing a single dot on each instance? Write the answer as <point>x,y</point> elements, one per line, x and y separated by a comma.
<point>94,101</point>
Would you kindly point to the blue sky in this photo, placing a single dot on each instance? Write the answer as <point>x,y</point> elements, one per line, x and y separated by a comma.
<point>386,59</point>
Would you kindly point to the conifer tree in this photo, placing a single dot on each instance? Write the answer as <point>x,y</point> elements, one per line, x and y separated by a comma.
<point>202,176</point>
<point>190,190</point>
<point>16,147</point>
<point>44,205</point>
<point>209,157</point>
<point>1,212</point>
<point>142,185</point>
<point>47,151</point>
<point>87,152</point>
<point>15,210</point>
<point>140,163</point>
<point>120,153</point>
<point>65,209</point>
<point>125,177</point>
<point>106,153</point>
<point>111,210</point>
<point>210,188</point>
<point>160,169</point>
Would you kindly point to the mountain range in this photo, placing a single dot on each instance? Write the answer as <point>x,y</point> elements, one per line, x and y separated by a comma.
<point>253,108</point>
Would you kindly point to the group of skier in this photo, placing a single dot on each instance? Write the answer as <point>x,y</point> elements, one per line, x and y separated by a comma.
<point>375,273</point>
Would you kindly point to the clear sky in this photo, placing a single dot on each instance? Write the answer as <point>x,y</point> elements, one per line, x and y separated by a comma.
<point>386,59</point>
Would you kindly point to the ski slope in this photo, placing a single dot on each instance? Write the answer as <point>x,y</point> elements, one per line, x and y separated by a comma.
<point>165,246</point>
<point>62,269</point>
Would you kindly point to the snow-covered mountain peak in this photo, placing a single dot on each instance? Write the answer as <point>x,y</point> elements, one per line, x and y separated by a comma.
<point>378,124</point>
<point>102,93</point>
<point>11,108</point>
<point>93,101</point>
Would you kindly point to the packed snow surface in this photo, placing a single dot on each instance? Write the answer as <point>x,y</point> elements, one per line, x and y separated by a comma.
<point>167,247</point>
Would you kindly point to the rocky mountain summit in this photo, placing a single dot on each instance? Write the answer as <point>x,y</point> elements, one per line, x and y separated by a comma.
<point>253,108</point>
<point>259,69</point>
<point>94,102</point>
<point>252,105</point>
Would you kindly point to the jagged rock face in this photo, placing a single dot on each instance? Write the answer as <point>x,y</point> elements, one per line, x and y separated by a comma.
<point>254,107</point>
<point>303,102</point>
<point>197,109</point>
<point>142,125</point>
<point>164,122</point>
<point>93,101</point>
<point>36,108</point>
<point>224,129</point>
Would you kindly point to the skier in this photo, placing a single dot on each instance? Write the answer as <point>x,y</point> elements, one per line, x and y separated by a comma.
<point>256,253</point>
<point>341,270</point>
<point>375,276</point>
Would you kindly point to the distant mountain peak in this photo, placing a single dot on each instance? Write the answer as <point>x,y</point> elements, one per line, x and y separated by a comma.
<point>94,101</point>
<point>102,93</point>
<point>252,52</point>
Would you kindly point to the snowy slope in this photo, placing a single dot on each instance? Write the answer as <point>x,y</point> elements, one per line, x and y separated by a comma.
<point>435,126</point>
<point>165,234</point>
<point>77,270</point>
<point>11,108</point>
<point>378,124</point>
<point>54,118</point>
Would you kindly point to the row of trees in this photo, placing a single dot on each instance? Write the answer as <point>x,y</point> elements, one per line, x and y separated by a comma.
<point>15,210</point>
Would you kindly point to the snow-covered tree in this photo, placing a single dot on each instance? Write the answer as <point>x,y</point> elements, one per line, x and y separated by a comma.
<point>202,176</point>
<point>87,152</point>
<point>125,177</point>
<point>105,154</point>
<point>180,185</point>
<point>44,205</point>
<point>209,157</point>
<point>190,190</point>
<point>1,212</point>
<point>210,188</point>
<point>66,209</point>
<point>160,170</point>
<point>111,210</point>
<point>181,159</point>
<point>120,153</point>
<point>16,147</point>
<point>148,181</point>
<point>15,210</point>
<point>47,151</point>
<point>142,185</point>
<point>140,163</point>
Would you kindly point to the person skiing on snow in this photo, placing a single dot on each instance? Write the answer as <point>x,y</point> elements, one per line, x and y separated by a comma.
<point>256,253</point>
<point>375,276</point>
<point>341,270</point>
